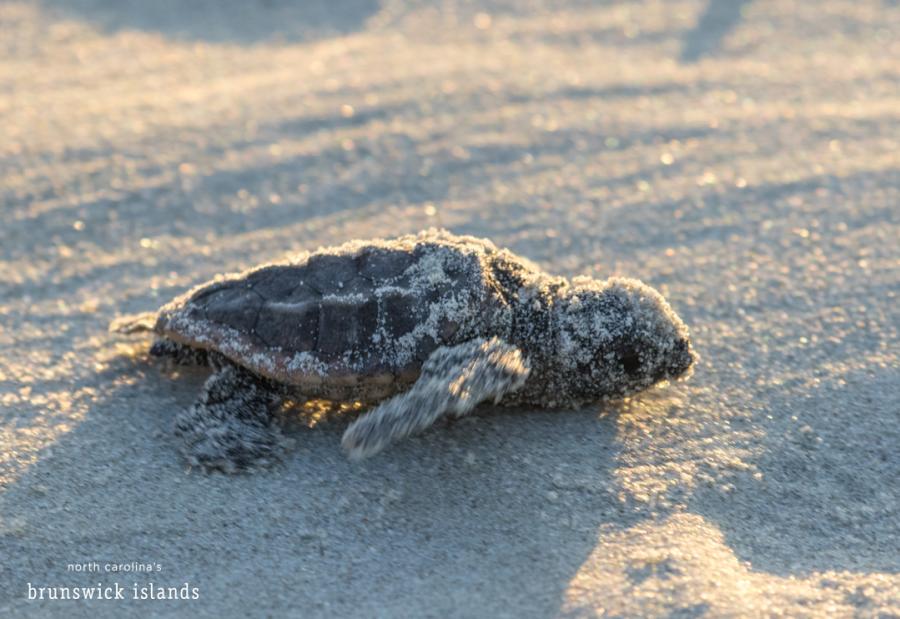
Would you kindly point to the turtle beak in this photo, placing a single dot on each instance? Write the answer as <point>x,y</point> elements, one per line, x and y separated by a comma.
<point>683,358</point>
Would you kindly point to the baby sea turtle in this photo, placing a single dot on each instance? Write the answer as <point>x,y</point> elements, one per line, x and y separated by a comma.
<point>435,322</point>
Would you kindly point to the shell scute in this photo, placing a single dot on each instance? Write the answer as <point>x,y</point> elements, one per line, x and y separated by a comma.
<point>346,326</point>
<point>399,312</point>
<point>379,264</point>
<point>293,326</point>
<point>275,282</point>
<point>235,307</point>
<point>328,273</point>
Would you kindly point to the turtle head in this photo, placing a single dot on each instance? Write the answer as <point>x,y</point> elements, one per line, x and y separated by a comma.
<point>618,337</point>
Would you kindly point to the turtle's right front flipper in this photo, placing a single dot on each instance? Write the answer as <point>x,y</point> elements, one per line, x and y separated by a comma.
<point>454,380</point>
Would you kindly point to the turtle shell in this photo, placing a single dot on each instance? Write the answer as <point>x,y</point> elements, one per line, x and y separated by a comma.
<point>349,322</point>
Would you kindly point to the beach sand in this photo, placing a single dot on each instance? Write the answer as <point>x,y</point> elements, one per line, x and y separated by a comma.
<point>741,157</point>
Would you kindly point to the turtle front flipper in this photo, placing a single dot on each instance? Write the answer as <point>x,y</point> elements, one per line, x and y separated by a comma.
<point>231,426</point>
<point>454,381</point>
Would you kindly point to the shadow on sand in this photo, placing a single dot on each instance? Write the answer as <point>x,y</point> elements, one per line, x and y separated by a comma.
<point>718,19</point>
<point>811,512</point>
<point>225,21</point>
<point>114,489</point>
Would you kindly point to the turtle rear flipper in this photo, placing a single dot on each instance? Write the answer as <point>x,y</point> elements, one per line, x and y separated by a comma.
<point>133,323</point>
<point>179,354</point>
<point>454,380</point>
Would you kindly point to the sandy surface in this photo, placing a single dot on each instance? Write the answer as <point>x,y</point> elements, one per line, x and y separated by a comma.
<point>742,157</point>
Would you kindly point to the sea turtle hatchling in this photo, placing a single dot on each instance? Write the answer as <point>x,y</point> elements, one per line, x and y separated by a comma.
<point>435,322</point>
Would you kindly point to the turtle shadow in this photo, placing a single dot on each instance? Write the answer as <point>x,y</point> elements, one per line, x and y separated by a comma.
<point>228,21</point>
<point>511,497</point>
<point>819,503</point>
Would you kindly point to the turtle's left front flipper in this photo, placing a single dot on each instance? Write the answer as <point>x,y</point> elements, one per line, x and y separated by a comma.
<point>454,380</point>
<point>231,427</point>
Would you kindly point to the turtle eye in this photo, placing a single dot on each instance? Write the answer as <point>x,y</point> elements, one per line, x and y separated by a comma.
<point>631,363</point>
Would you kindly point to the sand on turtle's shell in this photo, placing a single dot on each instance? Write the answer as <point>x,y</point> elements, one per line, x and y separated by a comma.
<point>363,314</point>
